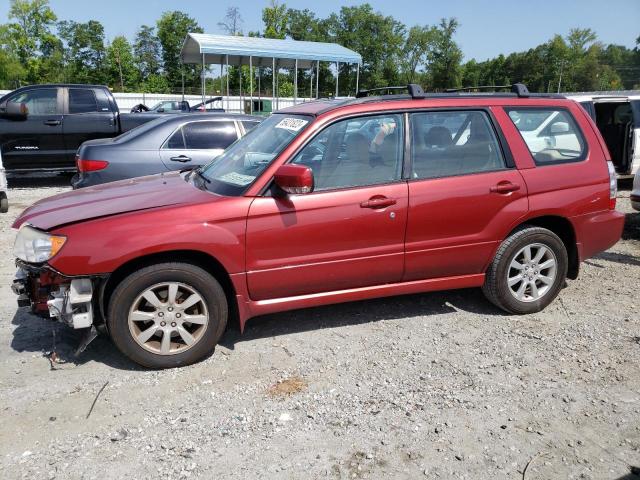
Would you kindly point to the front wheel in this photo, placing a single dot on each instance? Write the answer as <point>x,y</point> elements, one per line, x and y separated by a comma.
<point>528,271</point>
<point>167,315</point>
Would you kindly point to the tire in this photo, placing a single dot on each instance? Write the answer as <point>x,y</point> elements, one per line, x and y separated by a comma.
<point>504,270</point>
<point>131,315</point>
<point>4,203</point>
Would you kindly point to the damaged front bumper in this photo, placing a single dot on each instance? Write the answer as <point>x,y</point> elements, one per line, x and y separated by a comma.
<point>70,300</point>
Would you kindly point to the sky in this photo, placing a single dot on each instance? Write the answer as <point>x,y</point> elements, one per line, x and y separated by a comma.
<point>487,28</point>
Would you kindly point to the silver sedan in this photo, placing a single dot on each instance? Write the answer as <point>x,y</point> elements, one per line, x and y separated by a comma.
<point>169,143</point>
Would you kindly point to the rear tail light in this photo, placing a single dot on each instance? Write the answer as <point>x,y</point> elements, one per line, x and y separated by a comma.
<point>90,165</point>
<point>613,185</point>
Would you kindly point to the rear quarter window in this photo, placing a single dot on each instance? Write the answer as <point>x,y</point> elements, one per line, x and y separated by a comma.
<point>551,134</point>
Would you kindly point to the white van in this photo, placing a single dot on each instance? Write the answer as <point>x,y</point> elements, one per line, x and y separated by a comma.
<point>617,115</point>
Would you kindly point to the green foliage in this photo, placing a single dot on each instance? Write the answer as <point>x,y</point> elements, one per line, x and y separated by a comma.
<point>85,51</point>
<point>172,30</point>
<point>29,30</point>
<point>445,56</point>
<point>155,83</point>
<point>122,74</point>
<point>376,37</point>
<point>275,20</point>
<point>147,51</point>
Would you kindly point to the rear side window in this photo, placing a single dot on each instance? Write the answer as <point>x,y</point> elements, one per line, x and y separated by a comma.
<point>209,135</point>
<point>445,144</point>
<point>82,100</point>
<point>248,125</point>
<point>551,134</point>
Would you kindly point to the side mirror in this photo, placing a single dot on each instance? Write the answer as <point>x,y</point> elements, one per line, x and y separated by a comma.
<point>294,179</point>
<point>16,111</point>
<point>559,128</point>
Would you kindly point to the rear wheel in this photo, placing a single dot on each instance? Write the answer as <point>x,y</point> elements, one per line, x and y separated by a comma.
<point>167,315</point>
<point>4,203</point>
<point>528,271</point>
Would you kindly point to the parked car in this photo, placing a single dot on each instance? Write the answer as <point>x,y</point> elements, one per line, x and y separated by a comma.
<point>211,105</point>
<point>309,210</point>
<point>635,193</point>
<point>4,200</point>
<point>171,106</point>
<point>42,126</point>
<point>172,142</point>
<point>617,116</point>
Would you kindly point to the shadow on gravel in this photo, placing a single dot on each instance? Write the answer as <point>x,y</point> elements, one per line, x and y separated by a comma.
<point>30,180</point>
<point>355,313</point>
<point>617,258</point>
<point>634,474</point>
<point>36,334</point>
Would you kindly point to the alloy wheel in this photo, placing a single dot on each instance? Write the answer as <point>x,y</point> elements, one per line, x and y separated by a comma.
<point>168,318</point>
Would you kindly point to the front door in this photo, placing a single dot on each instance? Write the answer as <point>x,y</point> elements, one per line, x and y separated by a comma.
<point>37,142</point>
<point>350,231</point>
<point>462,194</point>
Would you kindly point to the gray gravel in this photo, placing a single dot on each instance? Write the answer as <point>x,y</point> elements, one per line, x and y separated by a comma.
<point>437,385</point>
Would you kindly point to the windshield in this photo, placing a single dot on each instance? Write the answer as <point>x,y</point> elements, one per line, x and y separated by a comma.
<point>233,171</point>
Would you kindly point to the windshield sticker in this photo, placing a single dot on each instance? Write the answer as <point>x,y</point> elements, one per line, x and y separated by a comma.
<point>293,124</point>
<point>235,178</point>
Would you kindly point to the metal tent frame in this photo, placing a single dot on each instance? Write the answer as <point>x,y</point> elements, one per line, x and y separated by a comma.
<point>203,49</point>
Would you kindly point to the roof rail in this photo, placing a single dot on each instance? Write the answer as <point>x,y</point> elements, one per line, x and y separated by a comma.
<point>519,89</point>
<point>414,90</point>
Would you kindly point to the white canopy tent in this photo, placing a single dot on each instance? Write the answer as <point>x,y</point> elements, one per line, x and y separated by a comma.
<point>204,49</point>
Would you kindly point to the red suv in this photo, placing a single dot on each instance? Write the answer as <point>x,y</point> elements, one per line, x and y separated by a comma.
<point>327,202</point>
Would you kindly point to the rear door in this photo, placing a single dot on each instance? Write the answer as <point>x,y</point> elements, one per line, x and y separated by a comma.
<point>463,193</point>
<point>38,141</point>
<point>88,115</point>
<point>198,143</point>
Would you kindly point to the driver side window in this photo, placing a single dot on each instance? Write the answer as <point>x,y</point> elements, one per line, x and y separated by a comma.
<point>356,152</point>
<point>43,101</point>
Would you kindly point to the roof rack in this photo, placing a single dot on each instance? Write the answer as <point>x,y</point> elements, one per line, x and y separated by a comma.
<point>414,90</point>
<point>519,89</point>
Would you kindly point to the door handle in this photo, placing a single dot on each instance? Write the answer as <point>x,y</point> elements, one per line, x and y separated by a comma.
<point>379,202</point>
<point>180,158</point>
<point>52,123</point>
<point>504,187</point>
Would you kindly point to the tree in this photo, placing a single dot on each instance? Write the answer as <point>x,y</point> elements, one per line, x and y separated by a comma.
<point>232,23</point>
<point>419,42</point>
<point>376,37</point>
<point>11,69</point>
<point>30,29</point>
<point>275,20</point>
<point>146,52</point>
<point>121,69</point>
<point>172,30</point>
<point>85,50</point>
<point>446,56</point>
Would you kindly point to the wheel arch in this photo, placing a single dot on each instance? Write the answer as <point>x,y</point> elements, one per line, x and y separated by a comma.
<point>564,229</point>
<point>194,257</point>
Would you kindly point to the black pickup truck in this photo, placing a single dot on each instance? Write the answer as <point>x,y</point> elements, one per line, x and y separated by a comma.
<point>42,126</point>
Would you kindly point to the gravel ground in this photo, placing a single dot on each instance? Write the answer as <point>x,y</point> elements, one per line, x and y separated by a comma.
<point>438,385</point>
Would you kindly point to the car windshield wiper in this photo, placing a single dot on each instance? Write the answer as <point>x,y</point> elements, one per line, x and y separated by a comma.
<point>198,172</point>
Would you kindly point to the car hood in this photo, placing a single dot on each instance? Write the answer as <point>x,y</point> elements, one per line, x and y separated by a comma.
<point>111,199</point>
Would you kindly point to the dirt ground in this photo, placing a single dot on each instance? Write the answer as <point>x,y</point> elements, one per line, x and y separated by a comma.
<point>438,385</point>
